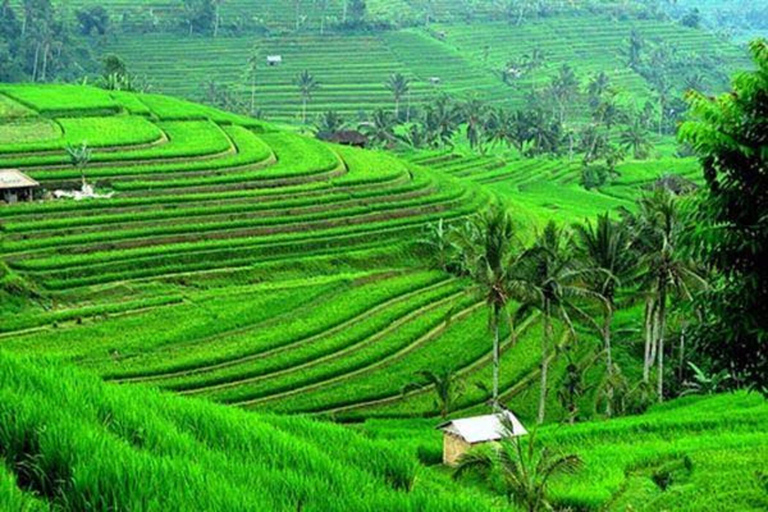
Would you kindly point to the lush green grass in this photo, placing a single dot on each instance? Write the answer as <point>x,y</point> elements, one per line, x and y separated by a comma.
<point>467,58</point>
<point>79,444</point>
<point>709,450</point>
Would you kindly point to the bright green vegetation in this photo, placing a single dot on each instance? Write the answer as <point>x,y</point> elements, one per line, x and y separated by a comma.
<point>294,257</point>
<point>157,452</point>
<point>247,265</point>
<point>697,453</point>
<point>468,59</point>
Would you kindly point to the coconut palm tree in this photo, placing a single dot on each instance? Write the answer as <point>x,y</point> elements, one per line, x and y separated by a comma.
<point>399,86</point>
<point>547,279</point>
<point>597,87</point>
<point>448,388</point>
<point>474,113</point>
<point>381,128</point>
<point>252,73</point>
<point>606,250</point>
<point>439,246</point>
<point>330,122</point>
<point>524,466</point>
<point>487,248</point>
<point>441,121</point>
<point>307,86</point>
<point>665,271</point>
<point>635,138</point>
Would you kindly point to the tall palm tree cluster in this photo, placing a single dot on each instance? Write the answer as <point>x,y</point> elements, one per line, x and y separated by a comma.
<point>573,280</point>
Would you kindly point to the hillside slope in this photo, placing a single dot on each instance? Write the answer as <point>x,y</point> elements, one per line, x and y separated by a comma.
<point>70,442</point>
<point>469,59</point>
<point>691,454</point>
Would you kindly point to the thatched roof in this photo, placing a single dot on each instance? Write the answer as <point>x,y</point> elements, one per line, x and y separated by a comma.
<point>678,185</point>
<point>345,137</point>
<point>13,178</point>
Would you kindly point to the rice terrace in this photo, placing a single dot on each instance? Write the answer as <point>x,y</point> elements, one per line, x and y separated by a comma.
<point>383,255</point>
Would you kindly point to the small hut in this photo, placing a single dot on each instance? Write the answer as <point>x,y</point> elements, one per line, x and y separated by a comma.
<point>434,80</point>
<point>274,60</point>
<point>345,137</point>
<point>16,186</point>
<point>460,435</point>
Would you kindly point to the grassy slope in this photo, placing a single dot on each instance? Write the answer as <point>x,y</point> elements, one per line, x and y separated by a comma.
<point>76,443</point>
<point>708,451</point>
<point>352,69</point>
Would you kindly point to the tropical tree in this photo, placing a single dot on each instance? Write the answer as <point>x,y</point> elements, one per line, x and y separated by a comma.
<point>634,49</point>
<point>665,271</point>
<point>447,385</point>
<point>399,86</point>
<point>547,279</point>
<point>572,387</point>
<point>605,250</point>
<point>500,129</point>
<point>564,88</point>
<point>307,86</point>
<point>729,229</point>
<point>381,128</point>
<point>79,157</point>
<point>524,467</point>
<point>532,62</point>
<point>487,248</point>
<point>439,245</point>
<point>330,122</point>
<point>252,73</point>
<point>635,138</point>
<point>473,112</point>
<point>598,86</point>
<point>545,132</point>
<point>441,121</point>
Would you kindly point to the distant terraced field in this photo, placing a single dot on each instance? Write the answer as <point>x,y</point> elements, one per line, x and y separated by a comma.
<point>467,58</point>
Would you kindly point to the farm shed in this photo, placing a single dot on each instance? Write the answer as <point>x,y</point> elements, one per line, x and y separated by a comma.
<point>16,186</point>
<point>274,60</point>
<point>460,435</point>
<point>345,137</point>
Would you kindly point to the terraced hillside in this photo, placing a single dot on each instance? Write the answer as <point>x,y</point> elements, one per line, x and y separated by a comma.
<point>691,454</point>
<point>539,189</point>
<point>235,262</point>
<point>70,442</point>
<point>467,58</point>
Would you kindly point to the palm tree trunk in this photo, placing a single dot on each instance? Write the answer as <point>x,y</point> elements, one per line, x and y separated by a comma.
<point>304,110</point>
<point>34,66</point>
<point>649,338</point>
<point>253,93</point>
<point>681,350</point>
<point>662,326</point>
<point>608,360</point>
<point>495,321</point>
<point>545,342</point>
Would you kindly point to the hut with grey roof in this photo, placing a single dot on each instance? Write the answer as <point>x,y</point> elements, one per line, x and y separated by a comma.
<point>16,186</point>
<point>460,435</point>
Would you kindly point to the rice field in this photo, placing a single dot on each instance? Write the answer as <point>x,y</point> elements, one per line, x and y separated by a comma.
<point>467,58</point>
<point>285,265</point>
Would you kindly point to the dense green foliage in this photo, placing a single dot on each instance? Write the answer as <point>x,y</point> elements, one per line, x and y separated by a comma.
<point>229,259</point>
<point>730,227</point>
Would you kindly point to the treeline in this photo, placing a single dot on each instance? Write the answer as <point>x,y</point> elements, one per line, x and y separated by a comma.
<point>692,270</point>
<point>38,41</point>
<point>213,18</point>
